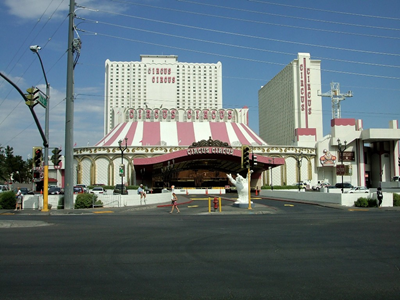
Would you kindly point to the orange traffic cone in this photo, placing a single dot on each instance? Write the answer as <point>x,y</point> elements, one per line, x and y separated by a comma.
<point>41,191</point>
<point>187,193</point>
<point>256,192</point>
<point>206,191</point>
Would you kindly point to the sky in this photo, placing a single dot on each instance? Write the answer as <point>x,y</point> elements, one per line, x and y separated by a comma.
<point>358,46</point>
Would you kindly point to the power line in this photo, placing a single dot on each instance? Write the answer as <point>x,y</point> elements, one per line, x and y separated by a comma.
<point>326,10</point>
<point>293,17</point>
<point>229,56</point>
<point>263,22</point>
<point>233,45</point>
<point>257,37</point>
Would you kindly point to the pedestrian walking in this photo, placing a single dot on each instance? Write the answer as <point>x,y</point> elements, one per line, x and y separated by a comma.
<point>174,203</point>
<point>18,202</point>
<point>379,195</point>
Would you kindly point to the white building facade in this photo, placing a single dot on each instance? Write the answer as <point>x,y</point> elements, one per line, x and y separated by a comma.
<point>290,113</point>
<point>159,81</point>
<point>289,105</point>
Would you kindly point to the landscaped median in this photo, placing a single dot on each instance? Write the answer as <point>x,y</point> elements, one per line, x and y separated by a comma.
<point>345,199</point>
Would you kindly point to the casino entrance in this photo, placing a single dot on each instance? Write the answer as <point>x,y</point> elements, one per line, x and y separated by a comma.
<point>199,166</point>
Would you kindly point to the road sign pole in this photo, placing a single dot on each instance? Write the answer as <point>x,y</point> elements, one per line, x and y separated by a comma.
<point>248,186</point>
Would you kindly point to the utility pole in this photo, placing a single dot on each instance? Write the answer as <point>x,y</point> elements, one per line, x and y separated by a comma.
<point>69,114</point>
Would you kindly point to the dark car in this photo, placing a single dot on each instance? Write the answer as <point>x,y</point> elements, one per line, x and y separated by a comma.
<point>117,190</point>
<point>54,190</point>
<point>26,191</point>
<point>345,185</point>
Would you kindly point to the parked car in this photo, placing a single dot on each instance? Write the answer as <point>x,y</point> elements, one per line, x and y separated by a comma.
<point>26,191</point>
<point>78,190</point>
<point>117,190</point>
<point>98,190</point>
<point>320,186</point>
<point>85,189</point>
<point>3,188</point>
<point>54,190</point>
<point>358,189</point>
<point>346,185</point>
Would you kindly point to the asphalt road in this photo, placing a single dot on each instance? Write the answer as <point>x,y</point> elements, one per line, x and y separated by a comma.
<point>292,252</point>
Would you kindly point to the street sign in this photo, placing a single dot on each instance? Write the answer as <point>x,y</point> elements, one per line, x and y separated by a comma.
<point>340,170</point>
<point>42,100</point>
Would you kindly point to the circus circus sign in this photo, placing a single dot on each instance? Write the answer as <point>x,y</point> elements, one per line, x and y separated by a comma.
<point>210,150</point>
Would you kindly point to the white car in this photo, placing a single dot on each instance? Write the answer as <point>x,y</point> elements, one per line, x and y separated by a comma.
<point>98,190</point>
<point>320,186</point>
<point>358,189</point>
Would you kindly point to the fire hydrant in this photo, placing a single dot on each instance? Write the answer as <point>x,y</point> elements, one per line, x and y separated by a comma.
<point>215,203</point>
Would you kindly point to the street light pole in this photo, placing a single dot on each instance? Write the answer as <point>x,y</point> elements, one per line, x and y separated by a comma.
<point>342,148</point>
<point>36,49</point>
<point>299,159</point>
<point>122,160</point>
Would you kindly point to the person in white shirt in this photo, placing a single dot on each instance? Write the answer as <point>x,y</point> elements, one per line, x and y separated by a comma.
<point>18,203</point>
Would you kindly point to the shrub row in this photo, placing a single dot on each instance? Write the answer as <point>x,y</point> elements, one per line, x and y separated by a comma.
<point>396,199</point>
<point>366,202</point>
<point>87,201</point>
<point>7,200</point>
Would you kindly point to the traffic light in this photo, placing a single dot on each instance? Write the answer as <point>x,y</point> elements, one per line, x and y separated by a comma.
<point>56,157</point>
<point>32,96</point>
<point>245,156</point>
<point>254,161</point>
<point>122,170</point>
<point>37,155</point>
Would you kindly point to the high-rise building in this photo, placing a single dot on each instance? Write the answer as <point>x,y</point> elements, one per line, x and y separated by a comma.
<point>158,81</point>
<point>290,109</point>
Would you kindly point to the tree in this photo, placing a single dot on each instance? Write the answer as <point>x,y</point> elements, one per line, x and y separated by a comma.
<point>14,165</point>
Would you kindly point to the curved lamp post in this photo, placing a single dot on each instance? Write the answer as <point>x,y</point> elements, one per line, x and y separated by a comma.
<point>35,49</point>
<point>299,160</point>
<point>122,148</point>
<point>341,149</point>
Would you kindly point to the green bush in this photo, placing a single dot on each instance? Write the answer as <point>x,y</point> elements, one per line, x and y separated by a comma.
<point>7,200</point>
<point>372,202</point>
<point>396,199</point>
<point>361,202</point>
<point>60,203</point>
<point>86,201</point>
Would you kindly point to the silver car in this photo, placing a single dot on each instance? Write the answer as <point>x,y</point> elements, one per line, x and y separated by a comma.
<point>358,189</point>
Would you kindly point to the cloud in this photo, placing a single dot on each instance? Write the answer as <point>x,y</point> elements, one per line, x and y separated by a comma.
<point>31,10</point>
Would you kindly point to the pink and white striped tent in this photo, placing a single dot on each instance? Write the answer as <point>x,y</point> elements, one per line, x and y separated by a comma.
<point>180,134</point>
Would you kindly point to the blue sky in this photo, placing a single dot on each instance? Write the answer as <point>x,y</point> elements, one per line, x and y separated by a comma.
<point>357,43</point>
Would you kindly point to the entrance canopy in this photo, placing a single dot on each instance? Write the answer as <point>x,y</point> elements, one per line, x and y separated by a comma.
<point>212,158</point>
